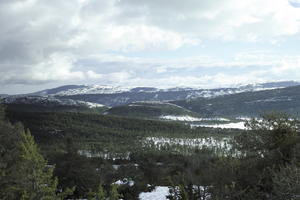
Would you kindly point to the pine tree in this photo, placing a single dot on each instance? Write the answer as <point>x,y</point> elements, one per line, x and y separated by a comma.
<point>10,162</point>
<point>101,193</point>
<point>114,194</point>
<point>40,183</point>
<point>24,173</point>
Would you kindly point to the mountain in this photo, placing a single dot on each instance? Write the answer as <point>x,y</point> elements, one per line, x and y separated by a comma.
<point>246,103</point>
<point>151,110</point>
<point>150,102</point>
<point>82,89</point>
<point>116,95</point>
<point>58,90</point>
<point>48,103</point>
<point>270,85</point>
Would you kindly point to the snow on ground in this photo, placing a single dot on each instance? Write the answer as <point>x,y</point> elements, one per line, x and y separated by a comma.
<point>125,181</point>
<point>159,193</point>
<point>243,118</point>
<point>190,118</point>
<point>215,119</point>
<point>236,125</point>
<point>192,142</point>
<point>93,105</point>
<point>105,155</point>
<point>180,118</point>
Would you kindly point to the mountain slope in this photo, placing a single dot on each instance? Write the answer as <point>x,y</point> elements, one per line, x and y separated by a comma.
<point>114,96</point>
<point>43,104</point>
<point>150,110</point>
<point>247,103</point>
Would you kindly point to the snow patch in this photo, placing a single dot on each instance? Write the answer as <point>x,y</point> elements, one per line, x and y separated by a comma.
<point>92,105</point>
<point>125,181</point>
<point>159,193</point>
<point>191,119</point>
<point>223,143</point>
<point>237,125</point>
<point>180,118</point>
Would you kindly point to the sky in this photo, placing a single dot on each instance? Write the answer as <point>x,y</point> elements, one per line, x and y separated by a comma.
<point>160,43</point>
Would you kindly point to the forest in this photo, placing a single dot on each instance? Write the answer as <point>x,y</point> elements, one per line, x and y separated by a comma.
<point>86,155</point>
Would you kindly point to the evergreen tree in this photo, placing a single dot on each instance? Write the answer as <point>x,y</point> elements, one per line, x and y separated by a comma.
<point>24,173</point>
<point>10,161</point>
<point>114,194</point>
<point>38,176</point>
<point>100,193</point>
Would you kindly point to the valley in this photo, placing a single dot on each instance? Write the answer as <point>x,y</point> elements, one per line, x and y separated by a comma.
<point>150,147</point>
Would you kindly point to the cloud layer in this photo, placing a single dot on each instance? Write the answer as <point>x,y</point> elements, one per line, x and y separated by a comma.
<point>91,41</point>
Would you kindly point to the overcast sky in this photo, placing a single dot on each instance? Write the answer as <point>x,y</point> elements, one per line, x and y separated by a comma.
<point>162,43</point>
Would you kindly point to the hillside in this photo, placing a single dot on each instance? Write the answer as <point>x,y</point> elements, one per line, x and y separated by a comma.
<point>91,128</point>
<point>50,104</point>
<point>151,110</point>
<point>247,103</point>
<point>118,95</point>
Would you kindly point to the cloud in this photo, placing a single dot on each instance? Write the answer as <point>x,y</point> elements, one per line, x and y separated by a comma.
<point>229,20</point>
<point>201,71</point>
<point>48,41</point>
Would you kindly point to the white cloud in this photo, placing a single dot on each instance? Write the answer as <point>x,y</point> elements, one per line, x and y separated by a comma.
<point>41,41</point>
<point>229,20</point>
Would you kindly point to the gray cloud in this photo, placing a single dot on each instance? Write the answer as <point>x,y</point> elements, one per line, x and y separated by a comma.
<point>42,42</point>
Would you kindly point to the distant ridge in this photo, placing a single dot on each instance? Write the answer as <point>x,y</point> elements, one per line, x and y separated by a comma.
<point>119,95</point>
<point>247,103</point>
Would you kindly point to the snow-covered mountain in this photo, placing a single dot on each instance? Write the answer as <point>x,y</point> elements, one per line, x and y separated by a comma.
<point>118,95</point>
<point>96,95</point>
<point>69,90</point>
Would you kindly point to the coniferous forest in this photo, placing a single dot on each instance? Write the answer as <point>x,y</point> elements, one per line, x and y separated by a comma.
<point>149,100</point>
<point>80,155</point>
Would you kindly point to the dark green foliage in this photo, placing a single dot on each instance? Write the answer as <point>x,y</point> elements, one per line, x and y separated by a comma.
<point>36,174</point>
<point>114,194</point>
<point>77,171</point>
<point>10,139</point>
<point>89,150</point>
<point>150,110</point>
<point>101,133</point>
<point>287,182</point>
<point>265,165</point>
<point>274,137</point>
<point>24,173</point>
<point>22,107</point>
<point>101,194</point>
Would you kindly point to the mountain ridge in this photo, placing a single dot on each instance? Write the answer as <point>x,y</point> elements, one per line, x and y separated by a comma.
<point>247,104</point>
<point>117,95</point>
